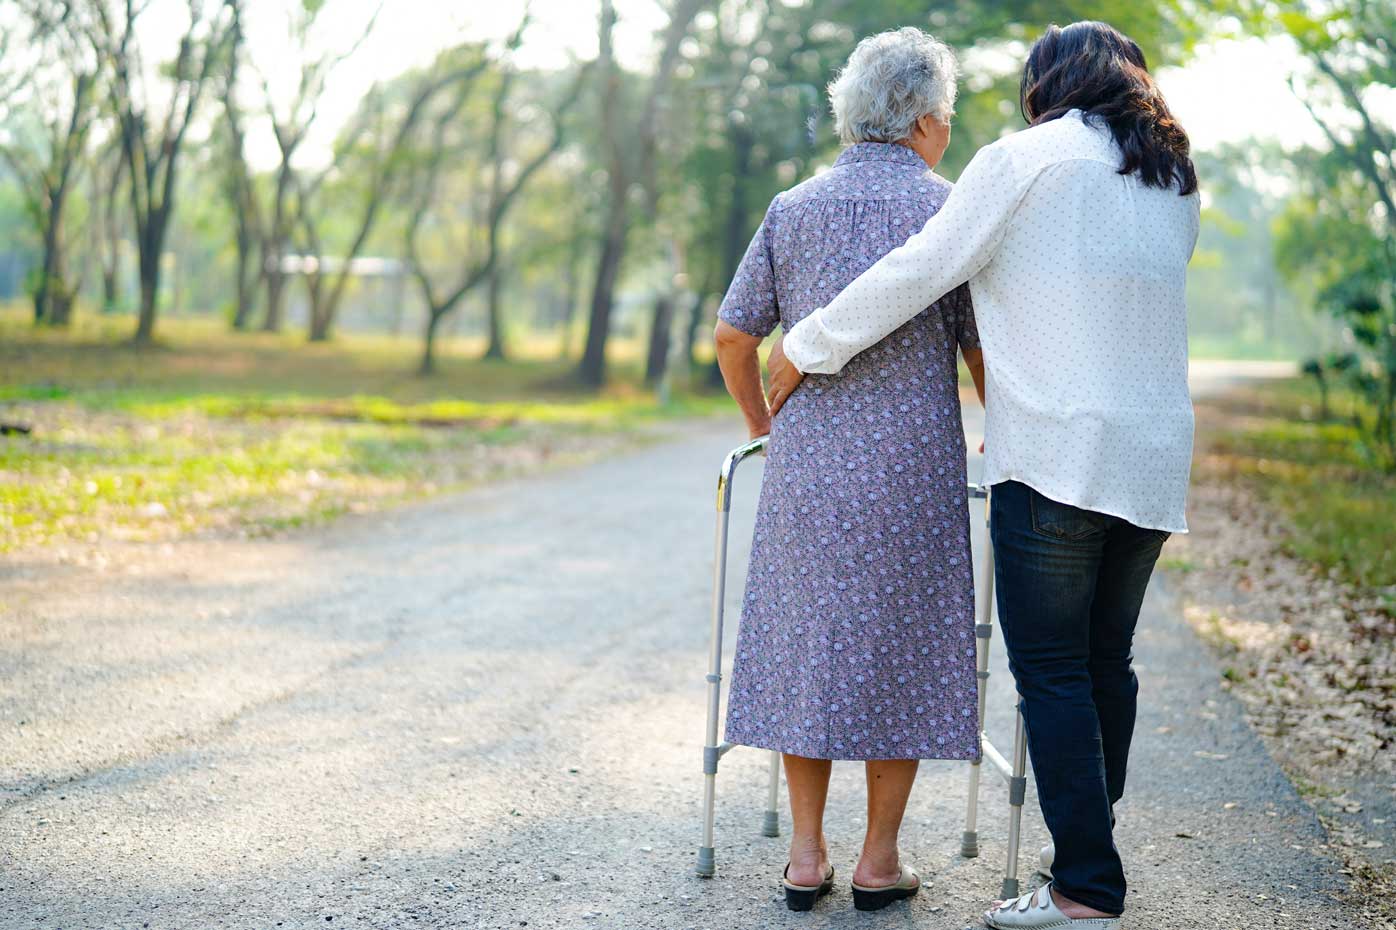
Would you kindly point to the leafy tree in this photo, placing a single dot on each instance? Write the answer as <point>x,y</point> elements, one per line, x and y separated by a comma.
<point>369,166</point>
<point>622,167</point>
<point>250,234</point>
<point>46,143</point>
<point>291,124</point>
<point>498,187</point>
<point>152,141</point>
<point>1340,229</point>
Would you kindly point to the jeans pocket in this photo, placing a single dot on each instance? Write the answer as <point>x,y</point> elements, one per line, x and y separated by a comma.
<point>1056,520</point>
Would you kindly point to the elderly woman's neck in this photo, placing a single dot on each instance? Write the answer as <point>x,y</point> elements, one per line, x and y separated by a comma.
<point>929,138</point>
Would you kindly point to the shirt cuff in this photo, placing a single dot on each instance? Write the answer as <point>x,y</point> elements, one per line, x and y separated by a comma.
<point>808,348</point>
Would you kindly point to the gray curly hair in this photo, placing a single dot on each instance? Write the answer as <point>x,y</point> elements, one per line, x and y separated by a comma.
<point>890,81</point>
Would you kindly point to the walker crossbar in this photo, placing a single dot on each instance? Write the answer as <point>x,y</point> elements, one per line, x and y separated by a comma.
<point>1012,771</point>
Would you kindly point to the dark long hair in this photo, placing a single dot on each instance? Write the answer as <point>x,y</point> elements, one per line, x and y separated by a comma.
<point>1092,67</point>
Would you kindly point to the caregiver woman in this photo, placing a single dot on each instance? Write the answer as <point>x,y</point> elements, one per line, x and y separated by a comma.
<point>1074,235</point>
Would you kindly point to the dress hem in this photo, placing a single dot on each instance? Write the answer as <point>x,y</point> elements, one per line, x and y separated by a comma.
<point>853,756</point>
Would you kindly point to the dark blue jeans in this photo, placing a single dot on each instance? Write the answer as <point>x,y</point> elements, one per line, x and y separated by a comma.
<point>1070,583</point>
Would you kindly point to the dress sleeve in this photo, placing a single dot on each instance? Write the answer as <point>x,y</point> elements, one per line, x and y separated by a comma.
<point>962,323</point>
<point>750,304</point>
<point>952,247</point>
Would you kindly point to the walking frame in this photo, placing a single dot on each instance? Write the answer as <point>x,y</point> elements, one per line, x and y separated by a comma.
<point>1013,771</point>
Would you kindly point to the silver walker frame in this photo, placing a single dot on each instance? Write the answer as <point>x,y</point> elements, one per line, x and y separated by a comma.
<point>1014,772</point>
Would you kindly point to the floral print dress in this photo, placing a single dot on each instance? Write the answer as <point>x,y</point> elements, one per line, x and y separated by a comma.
<point>857,630</point>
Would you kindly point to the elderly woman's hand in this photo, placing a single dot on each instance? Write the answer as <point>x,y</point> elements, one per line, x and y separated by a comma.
<point>785,377</point>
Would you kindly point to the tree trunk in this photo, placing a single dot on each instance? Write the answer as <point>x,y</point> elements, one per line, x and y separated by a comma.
<point>570,287</point>
<point>428,365</point>
<point>41,291</point>
<point>60,308</point>
<point>50,283</point>
<point>657,359</point>
<point>495,348</point>
<point>245,282</point>
<point>276,296</point>
<point>736,234</point>
<point>53,299</point>
<point>149,266</point>
<point>592,369</point>
<point>109,239</point>
<point>110,288</point>
<point>242,311</point>
<point>321,321</point>
<point>695,323</point>
<point>145,326</point>
<point>276,247</point>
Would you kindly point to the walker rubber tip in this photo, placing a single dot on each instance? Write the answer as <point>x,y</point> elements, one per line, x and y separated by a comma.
<point>770,824</point>
<point>707,864</point>
<point>1010,889</point>
<point>969,844</point>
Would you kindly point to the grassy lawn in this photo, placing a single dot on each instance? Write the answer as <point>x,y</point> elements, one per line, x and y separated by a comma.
<point>252,432</point>
<point>1343,507</point>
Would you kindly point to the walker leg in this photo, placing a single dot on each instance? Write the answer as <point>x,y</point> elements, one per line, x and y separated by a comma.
<point>711,751</point>
<point>969,840</point>
<point>983,634</point>
<point>770,824</point>
<point>707,864</point>
<point>1017,792</point>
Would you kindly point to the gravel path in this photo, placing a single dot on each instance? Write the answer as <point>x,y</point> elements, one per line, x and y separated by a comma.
<point>486,712</point>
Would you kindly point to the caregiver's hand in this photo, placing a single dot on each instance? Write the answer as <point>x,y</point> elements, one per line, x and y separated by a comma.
<point>785,377</point>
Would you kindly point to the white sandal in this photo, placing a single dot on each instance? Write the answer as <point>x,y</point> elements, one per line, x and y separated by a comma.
<point>1037,911</point>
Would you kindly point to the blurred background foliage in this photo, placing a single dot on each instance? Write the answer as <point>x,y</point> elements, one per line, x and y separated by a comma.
<point>568,228</point>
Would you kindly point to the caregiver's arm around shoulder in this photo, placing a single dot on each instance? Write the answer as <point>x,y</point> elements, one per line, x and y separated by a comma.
<point>952,247</point>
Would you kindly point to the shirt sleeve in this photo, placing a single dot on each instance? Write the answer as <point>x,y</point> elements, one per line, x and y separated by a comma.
<point>750,304</point>
<point>952,247</point>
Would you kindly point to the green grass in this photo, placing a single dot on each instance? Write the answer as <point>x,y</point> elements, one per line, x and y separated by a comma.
<point>1342,505</point>
<point>1177,566</point>
<point>257,432</point>
<point>1204,346</point>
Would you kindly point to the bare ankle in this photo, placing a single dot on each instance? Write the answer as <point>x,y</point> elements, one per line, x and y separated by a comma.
<point>809,858</point>
<point>1073,910</point>
<point>879,863</point>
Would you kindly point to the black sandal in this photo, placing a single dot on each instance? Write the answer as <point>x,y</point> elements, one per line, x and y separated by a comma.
<point>802,897</point>
<point>875,899</point>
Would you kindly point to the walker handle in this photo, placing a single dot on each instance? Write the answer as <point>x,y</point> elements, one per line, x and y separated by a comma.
<point>734,458</point>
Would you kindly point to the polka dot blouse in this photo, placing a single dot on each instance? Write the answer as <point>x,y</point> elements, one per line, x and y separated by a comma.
<point>1077,275</point>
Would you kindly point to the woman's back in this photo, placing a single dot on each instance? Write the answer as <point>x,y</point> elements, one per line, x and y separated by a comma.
<point>856,639</point>
<point>1088,394</point>
<point>820,235</point>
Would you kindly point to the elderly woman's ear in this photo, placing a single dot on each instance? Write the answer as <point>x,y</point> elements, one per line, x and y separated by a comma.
<point>930,137</point>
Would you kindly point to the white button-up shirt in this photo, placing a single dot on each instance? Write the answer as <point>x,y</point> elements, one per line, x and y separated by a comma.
<point>1077,274</point>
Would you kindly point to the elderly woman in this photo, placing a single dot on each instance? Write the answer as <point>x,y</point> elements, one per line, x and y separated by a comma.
<point>856,637</point>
